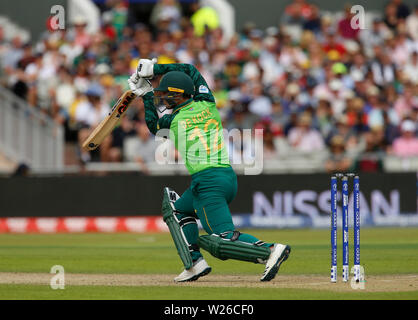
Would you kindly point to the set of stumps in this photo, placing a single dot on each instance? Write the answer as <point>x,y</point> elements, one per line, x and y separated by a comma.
<point>344,177</point>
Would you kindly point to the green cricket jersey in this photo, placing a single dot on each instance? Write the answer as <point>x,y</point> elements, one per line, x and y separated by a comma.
<point>195,126</point>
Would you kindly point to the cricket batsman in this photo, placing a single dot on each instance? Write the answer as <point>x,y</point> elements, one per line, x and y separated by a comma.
<point>196,129</point>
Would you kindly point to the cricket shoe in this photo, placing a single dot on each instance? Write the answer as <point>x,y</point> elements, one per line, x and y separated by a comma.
<point>279,254</point>
<point>200,268</point>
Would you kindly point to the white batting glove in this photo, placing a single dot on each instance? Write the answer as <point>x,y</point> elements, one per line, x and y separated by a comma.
<point>145,68</point>
<point>139,86</point>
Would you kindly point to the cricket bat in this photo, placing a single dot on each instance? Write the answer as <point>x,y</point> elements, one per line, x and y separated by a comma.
<point>108,124</point>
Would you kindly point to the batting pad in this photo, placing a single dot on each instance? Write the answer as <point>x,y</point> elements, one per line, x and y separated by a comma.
<point>226,249</point>
<point>172,222</point>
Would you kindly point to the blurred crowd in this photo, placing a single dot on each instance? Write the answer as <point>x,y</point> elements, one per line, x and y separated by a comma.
<point>313,83</point>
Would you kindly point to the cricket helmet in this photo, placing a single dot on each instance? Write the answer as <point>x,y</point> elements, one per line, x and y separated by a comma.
<point>176,81</point>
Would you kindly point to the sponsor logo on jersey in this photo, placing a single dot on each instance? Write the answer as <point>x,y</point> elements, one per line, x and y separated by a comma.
<point>203,89</point>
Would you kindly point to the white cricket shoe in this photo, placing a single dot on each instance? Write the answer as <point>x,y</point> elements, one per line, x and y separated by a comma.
<point>279,254</point>
<point>200,268</point>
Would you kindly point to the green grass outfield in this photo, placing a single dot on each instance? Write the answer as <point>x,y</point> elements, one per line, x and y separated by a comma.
<point>384,252</point>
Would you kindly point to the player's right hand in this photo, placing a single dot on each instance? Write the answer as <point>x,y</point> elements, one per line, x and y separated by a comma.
<point>139,86</point>
<point>145,68</point>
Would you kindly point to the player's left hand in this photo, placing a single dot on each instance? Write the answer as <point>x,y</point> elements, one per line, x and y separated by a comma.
<point>145,68</point>
<point>139,86</point>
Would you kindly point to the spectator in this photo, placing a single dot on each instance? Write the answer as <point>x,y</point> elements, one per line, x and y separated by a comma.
<point>260,104</point>
<point>112,149</point>
<point>358,68</point>
<point>406,102</point>
<point>379,110</point>
<point>108,29</point>
<point>411,69</point>
<point>313,21</point>
<point>166,15</point>
<point>239,117</point>
<point>220,93</point>
<point>269,149</point>
<point>407,144</point>
<point>297,12</point>
<point>343,130</point>
<point>324,117</point>
<point>402,10</point>
<point>339,71</point>
<point>303,138</point>
<point>93,110</point>
<point>356,116</point>
<point>119,13</point>
<point>370,159</point>
<point>391,17</point>
<point>203,19</point>
<point>335,92</point>
<point>412,24</point>
<point>290,98</point>
<point>375,36</point>
<point>251,70</point>
<point>278,115</point>
<point>81,37</point>
<point>89,113</point>
<point>141,148</point>
<point>22,170</point>
<point>333,48</point>
<point>65,91</point>
<point>338,160</point>
<point>272,138</point>
<point>344,25</point>
<point>391,130</point>
<point>403,47</point>
<point>372,100</point>
<point>27,57</point>
<point>12,54</point>
<point>383,69</point>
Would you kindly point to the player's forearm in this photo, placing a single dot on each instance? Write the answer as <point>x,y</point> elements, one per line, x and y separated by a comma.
<point>155,123</point>
<point>202,91</point>
<point>151,116</point>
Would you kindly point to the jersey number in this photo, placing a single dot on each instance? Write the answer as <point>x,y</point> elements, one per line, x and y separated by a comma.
<point>197,133</point>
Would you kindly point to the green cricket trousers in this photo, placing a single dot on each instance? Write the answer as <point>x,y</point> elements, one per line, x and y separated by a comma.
<point>207,199</point>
